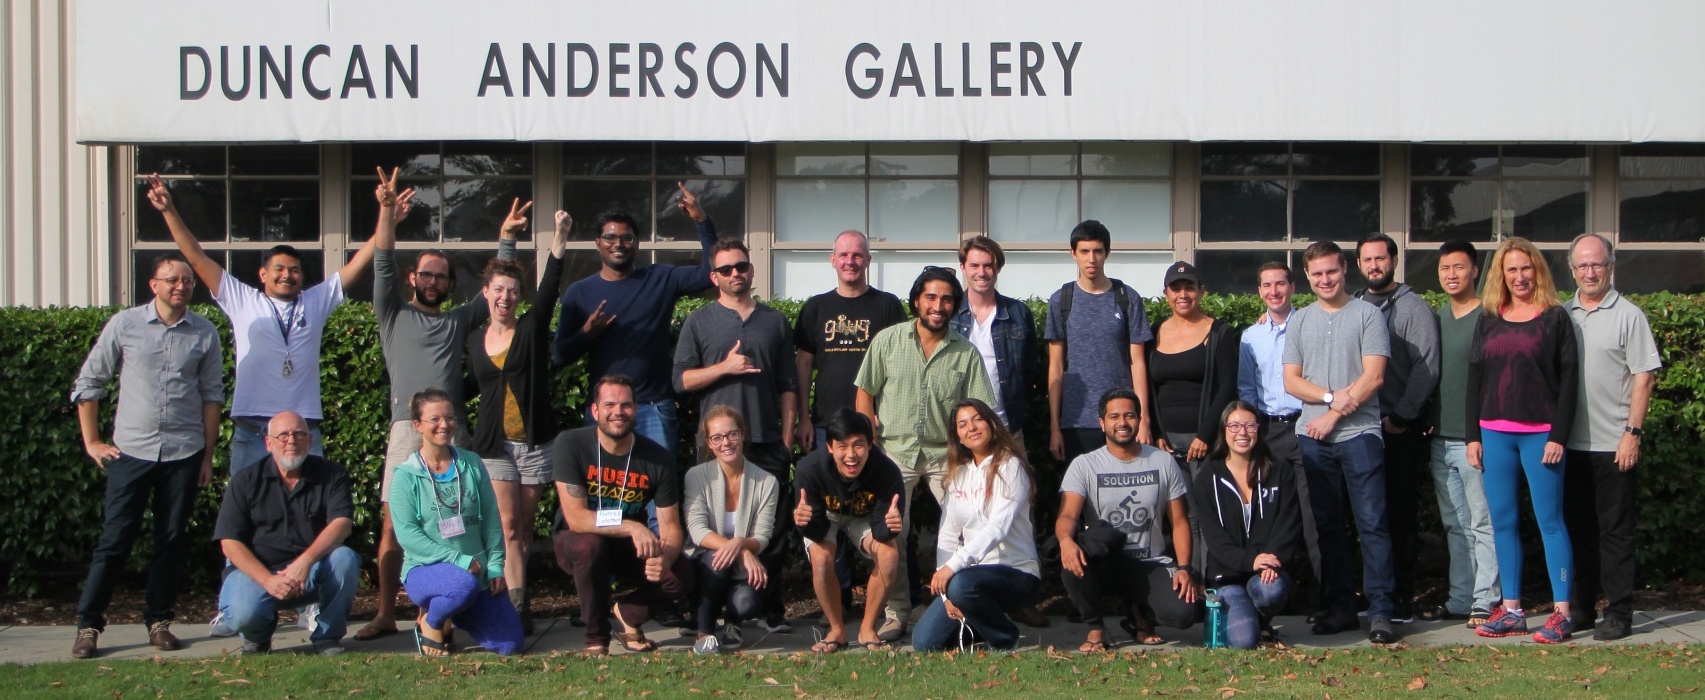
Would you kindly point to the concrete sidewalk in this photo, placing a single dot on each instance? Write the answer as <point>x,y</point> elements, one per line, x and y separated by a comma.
<point>33,644</point>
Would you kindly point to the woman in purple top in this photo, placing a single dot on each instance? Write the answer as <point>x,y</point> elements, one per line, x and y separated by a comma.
<point>1521,405</point>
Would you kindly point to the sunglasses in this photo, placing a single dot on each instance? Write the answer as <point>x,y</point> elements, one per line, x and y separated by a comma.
<point>741,267</point>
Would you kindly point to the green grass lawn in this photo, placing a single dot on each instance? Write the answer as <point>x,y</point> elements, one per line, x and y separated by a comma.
<point>1525,671</point>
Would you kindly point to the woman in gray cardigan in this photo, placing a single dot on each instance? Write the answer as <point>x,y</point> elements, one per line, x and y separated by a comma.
<point>730,517</point>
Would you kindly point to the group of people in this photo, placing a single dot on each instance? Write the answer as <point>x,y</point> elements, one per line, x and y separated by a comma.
<point>1195,458</point>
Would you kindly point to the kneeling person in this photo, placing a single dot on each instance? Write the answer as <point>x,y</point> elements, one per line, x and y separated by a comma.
<point>848,487</point>
<point>731,512</point>
<point>282,527</point>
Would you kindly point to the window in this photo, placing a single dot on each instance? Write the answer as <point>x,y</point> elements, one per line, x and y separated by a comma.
<point>1291,193</point>
<point>1490,192</point>
<point>1039,191</point>
<point>462,190</point>
<point>893,192</point>
<point>1661,200</point>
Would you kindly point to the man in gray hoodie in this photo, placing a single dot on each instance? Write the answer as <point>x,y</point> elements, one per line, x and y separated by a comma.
<point>1410,377</point>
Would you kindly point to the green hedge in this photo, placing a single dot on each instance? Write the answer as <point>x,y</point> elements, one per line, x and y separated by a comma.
<point>54,499</point>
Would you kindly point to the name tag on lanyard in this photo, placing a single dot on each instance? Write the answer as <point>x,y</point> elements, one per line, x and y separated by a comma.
<point>451,527</point>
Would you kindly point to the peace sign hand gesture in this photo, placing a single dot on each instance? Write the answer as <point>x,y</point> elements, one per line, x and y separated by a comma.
<point>388,197</point>
<point>516,222</point>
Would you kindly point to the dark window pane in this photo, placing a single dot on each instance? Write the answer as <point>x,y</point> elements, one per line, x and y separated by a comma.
<point>1247,159</point>
<point>1243,210</point>
<point>474,209</point>
<point>578,265</point>
<point>421,224</point>
<point>483,158</point>
<point>245,266</point>
<point>289,159</point>
<point>1235,271</point>
<point>701,159</point>
<point>620,158</point>
<point>586,200</point>
<point>1545,161</point>
<point>1651,271</point>
<point>1546,211</point>
<point>180,160</point>
<point>275,210</point>
<point>1335,159</point>
<point>1442,211</point>
<point>415,159</point>
<point>1663,210</point>
<point>1335,209</point>
<point>200,202</point>
<point>1663,160</point>
<point>142,266</point>
<point>723,200</point>
<point>1558,261</point>
<point>1452,161</point>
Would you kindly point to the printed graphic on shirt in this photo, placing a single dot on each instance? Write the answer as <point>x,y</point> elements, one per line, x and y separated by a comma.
<point>842,334</point>
<point>859,504</point>
<point>1132,514</point>
<point>608,489</point>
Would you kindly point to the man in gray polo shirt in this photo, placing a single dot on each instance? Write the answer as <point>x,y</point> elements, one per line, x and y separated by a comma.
<point>1335,355</point>
<point>1618,362</point>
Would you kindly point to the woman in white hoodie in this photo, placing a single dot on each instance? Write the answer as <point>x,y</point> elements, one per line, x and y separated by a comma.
<point>986,552</point>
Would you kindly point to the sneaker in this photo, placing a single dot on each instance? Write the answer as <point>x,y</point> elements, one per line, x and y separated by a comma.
<point>1504,623</point>
<point>891,630</point>
<point>85,646</point>
<point>328,648</point>
<point>776,623</point>
<point>1556,630</point>
<point>732,637</point>
<point>1611,629</point>
<point>707,645</point>
<point>308,617</point>
<point>220,627</point>
<point>252,648</point>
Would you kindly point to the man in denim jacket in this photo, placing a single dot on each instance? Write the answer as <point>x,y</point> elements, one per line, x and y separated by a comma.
<point>1001,328</point>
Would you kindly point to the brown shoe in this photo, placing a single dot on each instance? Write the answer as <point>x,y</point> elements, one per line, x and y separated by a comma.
<point>160,635</point>
<point>85,646</point>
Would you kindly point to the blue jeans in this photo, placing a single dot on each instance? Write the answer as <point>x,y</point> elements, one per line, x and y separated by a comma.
<point>332,583</point>
<point>1352,470</point>
<point>249,446</point>
<point>1248,605</point>
<point>1461,492</point>
<point>984,594</point>
<point>1507,457</point>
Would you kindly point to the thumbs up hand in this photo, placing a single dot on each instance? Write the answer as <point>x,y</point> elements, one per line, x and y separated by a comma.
<point>893,519</point>
<point>802,512</point>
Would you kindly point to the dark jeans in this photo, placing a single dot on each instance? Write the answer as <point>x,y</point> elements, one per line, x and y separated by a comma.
<point>1352,469</point>
<point>986,595</point>
<point>595,561</point>
<point>132,485</point>
<point>1082,442</point>
<point>777,461</point>
<point>720,591</point>
<point>1406,457</point>
<point>1146,584</point>
<point>1599,507</point>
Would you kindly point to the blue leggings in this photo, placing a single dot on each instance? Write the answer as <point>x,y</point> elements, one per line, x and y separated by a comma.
<point>1507,456</point>
<point>449,592</point>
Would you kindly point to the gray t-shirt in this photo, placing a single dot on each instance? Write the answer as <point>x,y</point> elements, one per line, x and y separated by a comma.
<point>1130,496</point>
<point>1330,346</point>
<point>423,350</point>
<point>1095,362</point>
<point>765,337</point>
<point>1616,343</point>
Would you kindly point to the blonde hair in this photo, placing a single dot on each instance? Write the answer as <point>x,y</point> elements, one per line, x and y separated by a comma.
<point>1495,292</point>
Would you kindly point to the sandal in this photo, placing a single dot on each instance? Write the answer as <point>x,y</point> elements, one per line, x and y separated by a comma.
<point>1478,617</point>
<point>1092,646</point>
<point>875,646</point>
<point>634,641</point>
<point>595,651</point>
<point>370,632</point>
<point>828,646</point>
<point>1141,632</point>
<point>427,646</point>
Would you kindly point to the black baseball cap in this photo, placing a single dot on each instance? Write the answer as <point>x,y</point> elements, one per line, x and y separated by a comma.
<point>1181,271</point>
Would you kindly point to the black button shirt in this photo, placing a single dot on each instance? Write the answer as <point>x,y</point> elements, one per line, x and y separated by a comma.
<point>276,523</point>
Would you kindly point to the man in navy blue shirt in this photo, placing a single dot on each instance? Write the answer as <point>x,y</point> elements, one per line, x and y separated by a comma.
<point>619,318</point>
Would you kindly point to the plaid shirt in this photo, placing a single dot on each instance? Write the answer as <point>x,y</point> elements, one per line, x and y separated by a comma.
<point>915,395</point>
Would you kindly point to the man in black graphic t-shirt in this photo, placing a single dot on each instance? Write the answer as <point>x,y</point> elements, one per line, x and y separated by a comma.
<point>833,331</point>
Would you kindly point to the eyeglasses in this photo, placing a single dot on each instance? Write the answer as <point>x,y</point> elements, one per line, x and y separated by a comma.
<point>1242,427</point>
<point>439,420</point>
<point>1592,267</point>
<point>741,267</point>
<point>730,436</point>
<point>618,239</point>
<point>177,281</point>
<point>294,436</point>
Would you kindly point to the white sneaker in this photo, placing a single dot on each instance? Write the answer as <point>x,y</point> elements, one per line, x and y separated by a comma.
<point>220,627</point>
<point>308,617</point>
<point>707,645</point>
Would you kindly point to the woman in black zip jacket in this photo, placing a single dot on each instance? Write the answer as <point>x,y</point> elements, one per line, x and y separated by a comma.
<point>1251,519</point>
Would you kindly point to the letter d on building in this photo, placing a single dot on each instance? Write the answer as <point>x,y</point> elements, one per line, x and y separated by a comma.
<point>184,92</point>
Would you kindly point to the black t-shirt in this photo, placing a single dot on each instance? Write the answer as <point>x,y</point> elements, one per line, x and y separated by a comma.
<point>279,525</point>
<point>837,331</point>
<point>649,476</point>
<point>869,494</point>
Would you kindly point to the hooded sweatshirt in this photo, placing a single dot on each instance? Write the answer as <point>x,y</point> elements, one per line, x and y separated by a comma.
<point>1274,525</point>
<point>419,502</point>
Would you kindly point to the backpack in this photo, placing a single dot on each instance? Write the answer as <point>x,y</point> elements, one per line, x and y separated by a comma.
<point>1119,298</point>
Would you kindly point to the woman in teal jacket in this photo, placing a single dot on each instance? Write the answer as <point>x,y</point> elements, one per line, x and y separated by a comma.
<point>446,519</point>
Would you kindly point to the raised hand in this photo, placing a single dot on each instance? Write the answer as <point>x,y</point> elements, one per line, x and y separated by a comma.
<point>689,204</point>
<point>158,195</point>
<point>387,195</point>
<point>802,512</point>
<point>893,519</point>
<point>598,321</point>
<point>736,363</point>
<point>564,222</point>
<point>516,222</point>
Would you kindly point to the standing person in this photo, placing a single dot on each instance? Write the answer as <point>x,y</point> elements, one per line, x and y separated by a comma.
<point>737,352</point>
<point>911,377</point>
<point>1335,355</point>
<point>517,420</point>
<point>1252,521</point>
<point>171,385</point>
<point>986,565</point>
<point>1461,490</point>
<point>1094,350</point>
<point>445,515</point>
<point>605,508</point>
<point>1522,390</point>
<point>1115,505</point>
<point>423,348</point>
<point>1619,360</point>
<point>833,331</point>
<point>1411,374</point>
<point>618,318</point>
<point>730,519</point>
<point>1002,329</point>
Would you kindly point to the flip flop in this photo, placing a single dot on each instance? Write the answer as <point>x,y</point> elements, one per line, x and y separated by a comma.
<point>1145,637</point>
<point>634,641</point>
<point>877,645</point>
<point>1092,647</point>
<point>421,644</point>
<point>828,646</point>
<point>369,633</point>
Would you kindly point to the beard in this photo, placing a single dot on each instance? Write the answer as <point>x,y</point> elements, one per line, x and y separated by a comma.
<point>1127,441</point>
<point>614,432</point>
<point>1379,282</point>
<point>429,296</point>
<point>290,464</point>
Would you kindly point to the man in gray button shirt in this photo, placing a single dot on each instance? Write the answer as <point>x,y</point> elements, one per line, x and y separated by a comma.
<point>171,387</point>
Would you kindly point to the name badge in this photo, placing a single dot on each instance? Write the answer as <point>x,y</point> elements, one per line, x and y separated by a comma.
<point>451,527</point>
<point>609,518</point>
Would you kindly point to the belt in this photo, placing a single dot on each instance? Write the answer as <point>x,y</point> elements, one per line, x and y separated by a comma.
<point>1281,417</point>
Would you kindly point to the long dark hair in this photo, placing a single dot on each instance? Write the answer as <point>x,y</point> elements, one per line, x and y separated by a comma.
<point>1001,442</point>
<point>1260,458</point>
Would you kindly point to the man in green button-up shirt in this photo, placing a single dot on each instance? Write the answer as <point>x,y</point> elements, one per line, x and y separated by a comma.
<point>912,376</point>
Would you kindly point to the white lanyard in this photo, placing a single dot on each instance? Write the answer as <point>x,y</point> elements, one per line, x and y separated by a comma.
<point>611,517</point>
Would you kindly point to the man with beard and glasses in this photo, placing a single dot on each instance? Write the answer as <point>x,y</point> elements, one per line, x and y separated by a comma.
<point>1411,374</point>
<point>423,350</point>
<point>912,376</point>
<point>608,478</point>
<point>282,526</point>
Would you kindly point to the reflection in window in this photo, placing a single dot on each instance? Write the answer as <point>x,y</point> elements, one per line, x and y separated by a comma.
<point>639,179</point>
<point>1485,192</point>
<point>1661,196</point>
<point>891,191</point>
<point>463,190</point>
<point>1039,191</point>
<point>1278,192</point>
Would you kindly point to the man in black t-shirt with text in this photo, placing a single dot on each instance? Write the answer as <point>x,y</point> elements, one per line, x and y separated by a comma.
<point>833,331</point>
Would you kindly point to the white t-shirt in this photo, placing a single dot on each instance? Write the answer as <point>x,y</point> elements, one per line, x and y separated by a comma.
<point>983,338</point>
<point>263,389</point>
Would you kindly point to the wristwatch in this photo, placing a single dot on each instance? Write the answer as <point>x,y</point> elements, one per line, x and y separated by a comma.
<point>1327,399</point>
<point>1632,430</point>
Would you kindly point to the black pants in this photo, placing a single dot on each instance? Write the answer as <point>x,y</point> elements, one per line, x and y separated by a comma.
<point>1281,439</point>
<point>777,461</point>
<point>1599,508</point>
<point>1406,464</point>
<point>1146,584</point>
<point>132,486</point>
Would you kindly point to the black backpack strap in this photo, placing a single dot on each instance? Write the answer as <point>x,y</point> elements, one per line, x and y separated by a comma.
<point>1124,306</point>
<point>1065,318</point>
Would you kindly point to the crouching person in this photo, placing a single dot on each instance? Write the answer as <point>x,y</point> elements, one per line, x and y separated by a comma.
<point>445,515</point>
<point>731,514</point>
<point>849,488</point>
<point>282,528</point>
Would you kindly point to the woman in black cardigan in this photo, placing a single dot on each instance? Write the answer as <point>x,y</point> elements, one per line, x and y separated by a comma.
<point>1251,518</point>
<point>513,432</point>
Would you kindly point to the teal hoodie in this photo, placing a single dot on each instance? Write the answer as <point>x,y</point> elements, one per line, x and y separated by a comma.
<point>414,515</point>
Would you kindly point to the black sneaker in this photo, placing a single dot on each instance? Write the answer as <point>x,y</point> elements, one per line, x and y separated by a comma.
<point>253,648</point>
<point>776,623</point>
<point>1611,629</point>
